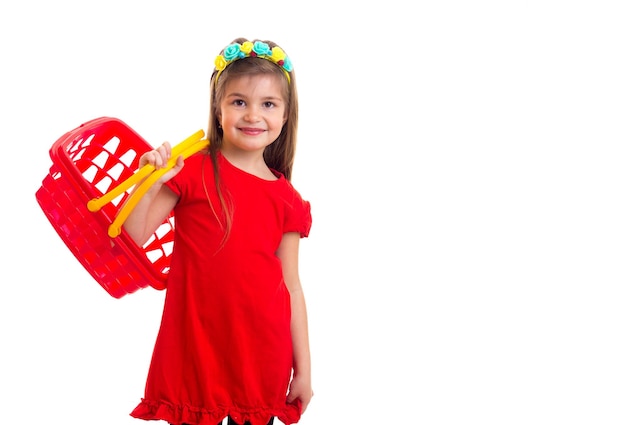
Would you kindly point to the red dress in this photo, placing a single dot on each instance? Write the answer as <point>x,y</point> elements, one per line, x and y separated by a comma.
<point>224,344</point>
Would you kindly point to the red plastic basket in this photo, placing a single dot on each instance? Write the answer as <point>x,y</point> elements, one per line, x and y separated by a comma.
<point>88,162</point>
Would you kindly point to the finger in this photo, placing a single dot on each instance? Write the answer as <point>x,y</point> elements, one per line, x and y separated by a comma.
<point>149,157</point>
<point>161,156</point>
<point>167,149</point>
<point>180,162</point>
<point>156,158</point>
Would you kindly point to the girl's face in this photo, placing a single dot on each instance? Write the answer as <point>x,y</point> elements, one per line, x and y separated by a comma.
<point>252,112</point>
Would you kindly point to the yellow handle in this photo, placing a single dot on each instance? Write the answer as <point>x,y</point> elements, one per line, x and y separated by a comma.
<point>189,148</point>
<point>97,203</point>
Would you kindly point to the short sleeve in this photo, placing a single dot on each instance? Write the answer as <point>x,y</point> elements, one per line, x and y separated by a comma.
<point>299,218</point>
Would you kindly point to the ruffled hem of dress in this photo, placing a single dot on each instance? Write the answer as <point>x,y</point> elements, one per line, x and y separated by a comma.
<point>179,414</point>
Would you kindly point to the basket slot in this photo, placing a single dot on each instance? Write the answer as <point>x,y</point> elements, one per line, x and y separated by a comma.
<point>112,145</point>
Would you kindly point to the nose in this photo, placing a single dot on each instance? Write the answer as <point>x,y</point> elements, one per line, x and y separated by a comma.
<point>252,113</point>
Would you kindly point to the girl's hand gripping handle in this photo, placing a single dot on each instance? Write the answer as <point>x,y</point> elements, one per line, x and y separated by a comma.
<point>186,148</point>
<point>97,203</point>
<point>116,227</point>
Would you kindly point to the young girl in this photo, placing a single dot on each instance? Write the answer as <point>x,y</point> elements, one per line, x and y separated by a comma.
<point>233,340</point>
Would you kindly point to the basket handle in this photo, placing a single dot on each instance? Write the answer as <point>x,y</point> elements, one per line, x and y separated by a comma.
<point>97,203</point>
<point>186,151</point>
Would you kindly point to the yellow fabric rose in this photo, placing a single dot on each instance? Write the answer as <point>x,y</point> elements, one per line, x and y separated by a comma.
<point>278,54</point>
<point>246,47</point>
<point>220,63</point>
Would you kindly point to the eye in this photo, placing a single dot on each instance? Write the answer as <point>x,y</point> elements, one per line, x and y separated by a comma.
<point>239,102</point>
<point>268,104</point>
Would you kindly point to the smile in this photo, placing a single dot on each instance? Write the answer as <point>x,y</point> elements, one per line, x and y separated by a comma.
<point>251,131</point>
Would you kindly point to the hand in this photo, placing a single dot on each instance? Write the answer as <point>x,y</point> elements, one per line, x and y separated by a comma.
<point>159,158</point>
<point>300,389</point>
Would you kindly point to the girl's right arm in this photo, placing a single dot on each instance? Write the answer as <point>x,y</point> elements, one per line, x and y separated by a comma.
<point>155,205</point>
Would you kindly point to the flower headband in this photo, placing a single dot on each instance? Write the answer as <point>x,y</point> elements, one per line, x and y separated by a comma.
<point>257,49</point>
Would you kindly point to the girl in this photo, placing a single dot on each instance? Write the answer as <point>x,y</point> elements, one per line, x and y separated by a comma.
<point>233,340</point>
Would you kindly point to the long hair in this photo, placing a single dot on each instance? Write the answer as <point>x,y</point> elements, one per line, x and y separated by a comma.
<point>281,153</point>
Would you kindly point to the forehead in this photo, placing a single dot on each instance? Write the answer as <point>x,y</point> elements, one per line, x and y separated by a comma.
<point>256,85</point>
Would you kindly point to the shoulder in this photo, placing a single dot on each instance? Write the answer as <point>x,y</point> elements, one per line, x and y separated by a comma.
<point>196,162</point>
<point>194,165</point>
<point>287,188</point>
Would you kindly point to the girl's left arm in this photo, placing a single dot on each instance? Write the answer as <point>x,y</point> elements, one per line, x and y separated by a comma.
<point>300,386</point>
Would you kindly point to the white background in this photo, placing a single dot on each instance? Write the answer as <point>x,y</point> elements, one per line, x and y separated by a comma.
<point>465,164</point>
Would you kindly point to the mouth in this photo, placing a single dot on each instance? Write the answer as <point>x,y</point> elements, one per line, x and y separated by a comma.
<point>251,131</point>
